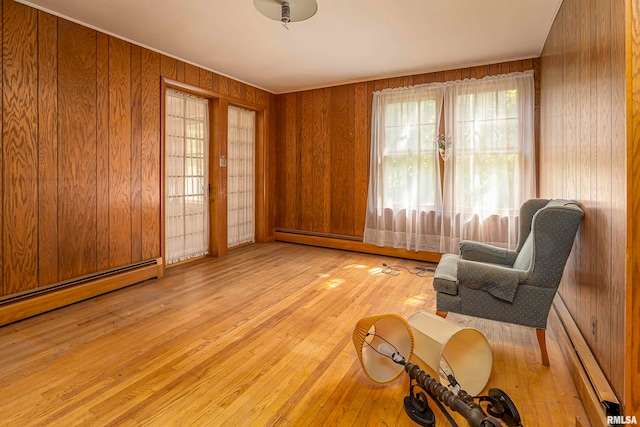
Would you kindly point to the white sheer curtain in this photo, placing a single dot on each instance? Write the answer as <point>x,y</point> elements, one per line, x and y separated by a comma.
<point>404,199</point>
<point>491,170</point>
<point>241,177</point>
<point>186,176</point>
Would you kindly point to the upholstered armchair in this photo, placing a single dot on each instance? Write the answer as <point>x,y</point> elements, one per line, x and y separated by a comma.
<point>514,286</point>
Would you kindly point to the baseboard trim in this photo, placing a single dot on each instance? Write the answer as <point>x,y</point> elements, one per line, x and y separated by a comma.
<point>594,390</point>
<point>25,307</point>
<point>354,246</point>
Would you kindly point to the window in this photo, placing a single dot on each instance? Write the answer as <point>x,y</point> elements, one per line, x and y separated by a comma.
<point>409,163</point>
<point>488,168</point>
<point>487,150</point>
<point>404,186</point>
<point>491,171</point>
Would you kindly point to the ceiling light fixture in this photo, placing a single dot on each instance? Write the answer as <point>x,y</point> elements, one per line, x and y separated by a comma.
<point>287,11</point>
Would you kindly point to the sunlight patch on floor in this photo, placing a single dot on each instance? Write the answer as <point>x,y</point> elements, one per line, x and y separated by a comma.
<point>417,300</point>
<point>333,283</point>
<point>356,266</point>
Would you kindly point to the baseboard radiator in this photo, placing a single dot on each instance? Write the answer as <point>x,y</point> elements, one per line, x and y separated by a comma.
<point>40,300</point>
<point>350,243</point>
<point>595,392</point>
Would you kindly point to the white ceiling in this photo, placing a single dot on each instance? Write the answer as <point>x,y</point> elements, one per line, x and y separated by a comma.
<point>346,41</point>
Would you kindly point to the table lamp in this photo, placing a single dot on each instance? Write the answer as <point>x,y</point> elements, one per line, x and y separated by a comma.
<point>385,343</point>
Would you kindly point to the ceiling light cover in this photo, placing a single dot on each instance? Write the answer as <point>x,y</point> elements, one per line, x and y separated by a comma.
<point>300,9</point>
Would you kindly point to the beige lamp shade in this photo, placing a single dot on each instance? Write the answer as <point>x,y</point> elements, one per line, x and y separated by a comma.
<point>388,330</point>
<point>466,350</point>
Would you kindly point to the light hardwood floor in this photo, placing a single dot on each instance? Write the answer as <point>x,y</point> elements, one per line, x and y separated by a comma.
<point>261,337</point>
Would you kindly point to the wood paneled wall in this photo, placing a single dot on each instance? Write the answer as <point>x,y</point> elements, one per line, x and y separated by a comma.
<point>323,150</point>
<point>583,150</point>
<point>632,365</point>
<point>81,135</point>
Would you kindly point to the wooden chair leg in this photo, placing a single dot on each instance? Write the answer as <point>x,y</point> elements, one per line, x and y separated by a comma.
<point>540,334</point>
<point>442,313</point>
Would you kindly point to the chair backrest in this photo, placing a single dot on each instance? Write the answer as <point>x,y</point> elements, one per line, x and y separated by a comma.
<point>528,209</point>
<point>546,247</point>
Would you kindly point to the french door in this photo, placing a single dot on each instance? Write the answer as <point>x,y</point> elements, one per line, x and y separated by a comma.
<point>241,177</point>
<point>186,176</point>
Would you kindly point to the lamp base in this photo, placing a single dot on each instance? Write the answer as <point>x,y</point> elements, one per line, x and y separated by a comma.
<point>501,406</point>
<point>420,414</point>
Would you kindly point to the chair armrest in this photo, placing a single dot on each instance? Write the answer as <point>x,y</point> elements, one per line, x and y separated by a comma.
<point>481,252</point>
<point>501,282</point>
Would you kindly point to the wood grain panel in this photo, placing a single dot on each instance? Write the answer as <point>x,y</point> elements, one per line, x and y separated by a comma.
<point>384,83</point>
<point>587,328</point>
<point>262,169</point>
<point>556,150</point>
<point>150,154</point>
<point>516,67</point>
<point>263,97</point>
<point>223,85</point>
<point>47,149</point>
<point>632,291</point>
<point>250,94</point>
<point>581,157</point>
<point>321,162</point>
<point>618,182</point>
<point>292,163</point>
<point>119,153</point>
<point>569,102</point>
<point>466,73</point>
<point>342,159</point>
<point>271,136</point>
<point>494,70</point>
<point>361,156</point>
<point>102,150</point>
<point>192,75</point>
<point>452,75</point>
<point>569,153</point>
<point>2,191</point>
<point>304,102</point>
<point>168,67</point>
<point>76,150</point>
<point>136,154</point>
<point>397,82</point>
<point>206,79</point>
<point>19,147</point>
<point>480,72</point>
<point>327,187</point>
<point>180,71</point>
<point>222,182</point>
<point>603,176</point>
<point>280,163</point>
<point>236,89</point>
<point>215,82</point>
<point>586,235</point>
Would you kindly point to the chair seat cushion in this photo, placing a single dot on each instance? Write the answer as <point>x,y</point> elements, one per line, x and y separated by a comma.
<point>445,277</point>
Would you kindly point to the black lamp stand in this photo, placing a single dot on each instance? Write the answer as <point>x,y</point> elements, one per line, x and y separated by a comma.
<point>499,404</point>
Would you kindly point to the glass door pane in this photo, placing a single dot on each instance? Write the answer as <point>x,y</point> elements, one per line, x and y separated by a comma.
<point>186,177</point>
<point>241,177</point>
